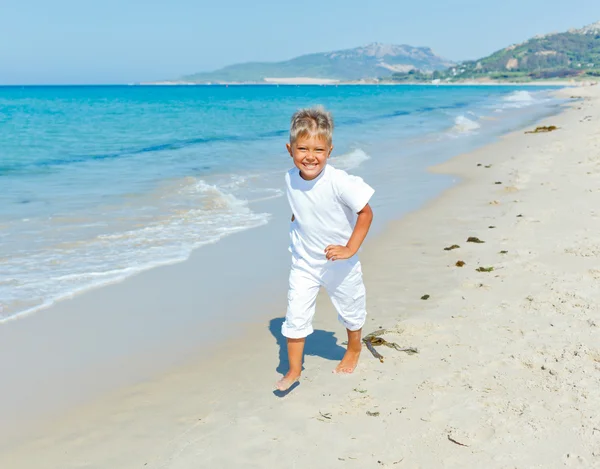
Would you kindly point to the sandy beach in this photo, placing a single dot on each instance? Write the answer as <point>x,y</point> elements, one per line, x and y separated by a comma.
<point>508,369</point>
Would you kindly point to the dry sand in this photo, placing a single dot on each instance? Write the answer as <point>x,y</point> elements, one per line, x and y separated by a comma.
<point>508,374</point>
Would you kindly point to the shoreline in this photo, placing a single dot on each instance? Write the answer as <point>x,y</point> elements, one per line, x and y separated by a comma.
<point>550,83</point>
<point>158,403</point>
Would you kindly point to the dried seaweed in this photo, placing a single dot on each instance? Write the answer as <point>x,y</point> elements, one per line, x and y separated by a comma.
<point>460,263</point>
<point>450,248</point>
<point>484,269</point>
<point>373,340</point>
<point>473,239</point>
<point>456,442</point>
<point>542,129</point>
<point>425,297</point>
<point>374,352</point>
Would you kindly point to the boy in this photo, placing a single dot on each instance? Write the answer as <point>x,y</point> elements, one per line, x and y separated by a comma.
<point>330,220</point>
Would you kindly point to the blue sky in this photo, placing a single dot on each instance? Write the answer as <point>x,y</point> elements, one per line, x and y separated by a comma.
<point>120,41</point>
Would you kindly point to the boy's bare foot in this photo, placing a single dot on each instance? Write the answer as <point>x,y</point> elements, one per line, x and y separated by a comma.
<point>348,363</point>
<point>287,381</point>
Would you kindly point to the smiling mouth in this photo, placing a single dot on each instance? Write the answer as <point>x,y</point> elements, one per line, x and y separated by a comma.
<point>309,165</point>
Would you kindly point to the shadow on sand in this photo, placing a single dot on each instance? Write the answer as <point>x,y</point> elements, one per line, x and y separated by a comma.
<point>320,343</point>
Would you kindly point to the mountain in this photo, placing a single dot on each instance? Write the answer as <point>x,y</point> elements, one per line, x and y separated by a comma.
<point>362,63</point>
<point>557,55</point>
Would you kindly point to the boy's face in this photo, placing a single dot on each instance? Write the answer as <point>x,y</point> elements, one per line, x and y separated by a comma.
<point>310,154</point>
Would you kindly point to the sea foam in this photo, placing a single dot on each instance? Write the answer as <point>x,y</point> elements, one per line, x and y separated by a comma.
<point>463,125</point>
<point>518,99</point>
<point>351,160</point>
<point>199,214</point>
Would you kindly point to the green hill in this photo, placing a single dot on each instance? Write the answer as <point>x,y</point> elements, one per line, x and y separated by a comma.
<point>558,55</point>
<point>362,63</point>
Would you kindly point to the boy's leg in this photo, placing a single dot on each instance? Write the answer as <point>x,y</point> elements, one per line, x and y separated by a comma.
<point>295,349</point>
<point>350,360</point>
<point>302,296</point>
<point>347,292</point>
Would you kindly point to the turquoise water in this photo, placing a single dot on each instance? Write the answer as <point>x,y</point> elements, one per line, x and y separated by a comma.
<point>98,183</point>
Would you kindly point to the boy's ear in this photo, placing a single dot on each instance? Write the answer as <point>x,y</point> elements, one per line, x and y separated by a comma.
<point>330,150</point>
<point>289,149</point>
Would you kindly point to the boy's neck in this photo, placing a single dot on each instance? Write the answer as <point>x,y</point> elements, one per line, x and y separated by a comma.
<point>314,177</point>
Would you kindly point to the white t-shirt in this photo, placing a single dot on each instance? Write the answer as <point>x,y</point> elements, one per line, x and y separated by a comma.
<point>325,210</point>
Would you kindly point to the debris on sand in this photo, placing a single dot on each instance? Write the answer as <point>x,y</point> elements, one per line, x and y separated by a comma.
<point>450,248</point>
<point>542,129</point>
<point>456,442</point>
<point>473,239</point>
<point>425,297</point>
<point>374,340</point>
<point>460,263</point>
<point>484,269</point>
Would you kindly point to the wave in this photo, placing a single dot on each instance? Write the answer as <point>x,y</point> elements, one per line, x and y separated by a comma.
<point>350,160</point>
<point>198,214</point>
<point>464,125</point>
<point>518,99</point>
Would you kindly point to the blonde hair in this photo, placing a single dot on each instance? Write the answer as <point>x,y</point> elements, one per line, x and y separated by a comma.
<point>314,121</point>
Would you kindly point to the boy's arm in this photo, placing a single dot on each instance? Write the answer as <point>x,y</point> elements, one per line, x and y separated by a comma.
<point>363,223</point>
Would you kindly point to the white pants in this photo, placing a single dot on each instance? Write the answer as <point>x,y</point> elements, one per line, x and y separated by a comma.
<point>343,281</point>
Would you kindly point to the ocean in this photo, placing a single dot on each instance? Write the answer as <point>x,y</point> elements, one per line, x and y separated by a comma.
<point>98,183</point>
